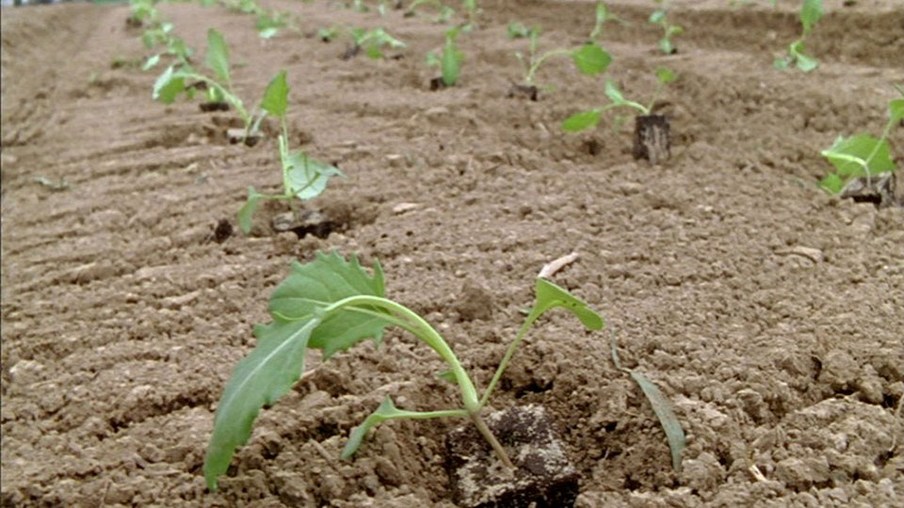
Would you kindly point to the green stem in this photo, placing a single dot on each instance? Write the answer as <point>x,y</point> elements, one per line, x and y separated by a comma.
<point>494,443</point>
<point>522,332</point>
<point>529,79</point>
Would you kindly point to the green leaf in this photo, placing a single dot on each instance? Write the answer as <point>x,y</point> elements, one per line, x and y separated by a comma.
<point>859,154</point>
<point>581,121</point>
<point>386,411</point>
<point>322,282</point>
<point>259,380</point>
<point>246,213</point>
<point>268,33</point>
<point>550,296</point>
<point>218,56</point>
<point>450,62</point>
<point>657,16</point>
<point>663,409</point>
<point>802,61</point>
<point>276,97</point>
<point>613,93</point>
<point>665,75</point>
<point>665,45</point>
<point>832,183</point>
<point>591,59</point>
<point>168,86</point>
<point>896,110</point>
<point>810,14</point>
<point>151,62</point>
<point>306,178</point>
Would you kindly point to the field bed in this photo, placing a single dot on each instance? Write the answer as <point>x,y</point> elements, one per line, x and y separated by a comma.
<point>769,312</point>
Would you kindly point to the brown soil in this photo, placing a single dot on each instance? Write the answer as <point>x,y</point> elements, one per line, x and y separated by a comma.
<point>769,312</point>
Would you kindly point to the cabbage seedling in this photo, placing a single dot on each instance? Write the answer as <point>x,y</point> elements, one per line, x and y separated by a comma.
<point>449,61</point>
<point>303,177</point>
<point>590,118</point>
<point>372,42</point>
<point>332,304</point>
<point>810,14</point>
<point>590,58</point>
<point>862,155</point>
<point>661,17</point>
<point>602,16</point>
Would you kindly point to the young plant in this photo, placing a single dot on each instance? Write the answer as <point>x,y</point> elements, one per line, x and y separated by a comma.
<point>178,79</point>
<point>591,118</point>
<point>862,155</point>
<point>660,17</point>
<point>373,42</point>
<point>444,12</point>
<point>449,61</point>
<point>602,16</point>
<point>143,13</point>
<point>590,58</point>
<point>332,304</point>
<point>303,177</point>
<point>269,23</point>
<point>174,46</point>
<point>810,14</point>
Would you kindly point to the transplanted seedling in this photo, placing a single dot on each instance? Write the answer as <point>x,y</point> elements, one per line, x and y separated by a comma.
<point>174,46</point>
<point>332,304</point>
<point>304,178</point>
<point>661,17</point>
<point>443,12</point>
<point>603,15</point>
<point>863,157</point>
<point>373,42</point>
<point>651,132</point>
<point>449,61</point>
<point>810,13</point>
<point>589,58</point>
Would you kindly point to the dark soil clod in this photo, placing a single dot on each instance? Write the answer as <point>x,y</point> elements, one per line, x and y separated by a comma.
<point>222,231</point>
<point>543,478</point>
<point>524,91</point>
<point>437,84</point>
<point>652,139</point>
<point>878,190</point>
<point>209,107</point>
<point>236,136</point>
<point>305,222</point>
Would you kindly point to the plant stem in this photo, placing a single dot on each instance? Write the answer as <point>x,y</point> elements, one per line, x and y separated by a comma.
<point>494,443</point>
<point>508,354</point>
<point>529,79</point>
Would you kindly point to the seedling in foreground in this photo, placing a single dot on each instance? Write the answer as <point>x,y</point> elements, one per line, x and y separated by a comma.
<point>661,17</point>
<point>590,118</point>
<point>590,58</point>
<point>862,155</point>
<point>449,61</point>
<point>810,14</point>
<point>303,177</point>
<point>332,304</point>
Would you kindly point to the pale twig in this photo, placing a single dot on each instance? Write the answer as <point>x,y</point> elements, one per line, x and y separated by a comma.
<point>549,269</point>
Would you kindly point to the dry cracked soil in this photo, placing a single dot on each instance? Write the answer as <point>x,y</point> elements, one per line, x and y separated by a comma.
<point>770,313</point>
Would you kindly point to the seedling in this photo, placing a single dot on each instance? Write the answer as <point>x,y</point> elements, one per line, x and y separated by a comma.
<point>327,34</point>
<point>589,58</point>
<point>444,12</point>
<point>303,177</point>
<point>660,17</point>
<point>175,46</point>
<point>810,14</point>
<point>178,79</point>
<point>270,23</point>
<point>332,304</point>
<point>518,30</point>
<point>373,42</point>
<point>862,155</point>
<point>143,13</point>
<point>449,61</point>
<point>603,15</point>
<point>651,132</point>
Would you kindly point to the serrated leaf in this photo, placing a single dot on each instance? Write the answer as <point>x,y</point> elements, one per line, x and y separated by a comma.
<point>591,59</point>
<point>581,121</point>
<point>667,418</point>
<point>856,155</point>
<point>246,213</point>
<point>259,380</point>
<point>168,86</point>
<point>810,14</point>
<point>550,296</point>
<point>322,282</point>
<point>276,96</point>
<point>217,58</point>
<point>896,110</point>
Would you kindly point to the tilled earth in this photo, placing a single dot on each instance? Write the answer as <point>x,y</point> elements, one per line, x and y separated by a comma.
<point>768,312</point>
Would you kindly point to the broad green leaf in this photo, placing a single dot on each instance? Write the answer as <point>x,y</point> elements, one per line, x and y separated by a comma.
<point>246,213</point>
<point>450,63</point>
<point>581,121</point>
<point>276,97</point>
<point>810,14</point>
<point>322,282</point>
<point>896,110</point>
<point>218,56</point>
<point>259,380</point>
<point>168,86</point>
<point>591,59</point>
<point>856,155</point>
<point>832,183</point>
<point>550,296</point>
<point>663,409</point>
<point>306,178</point>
